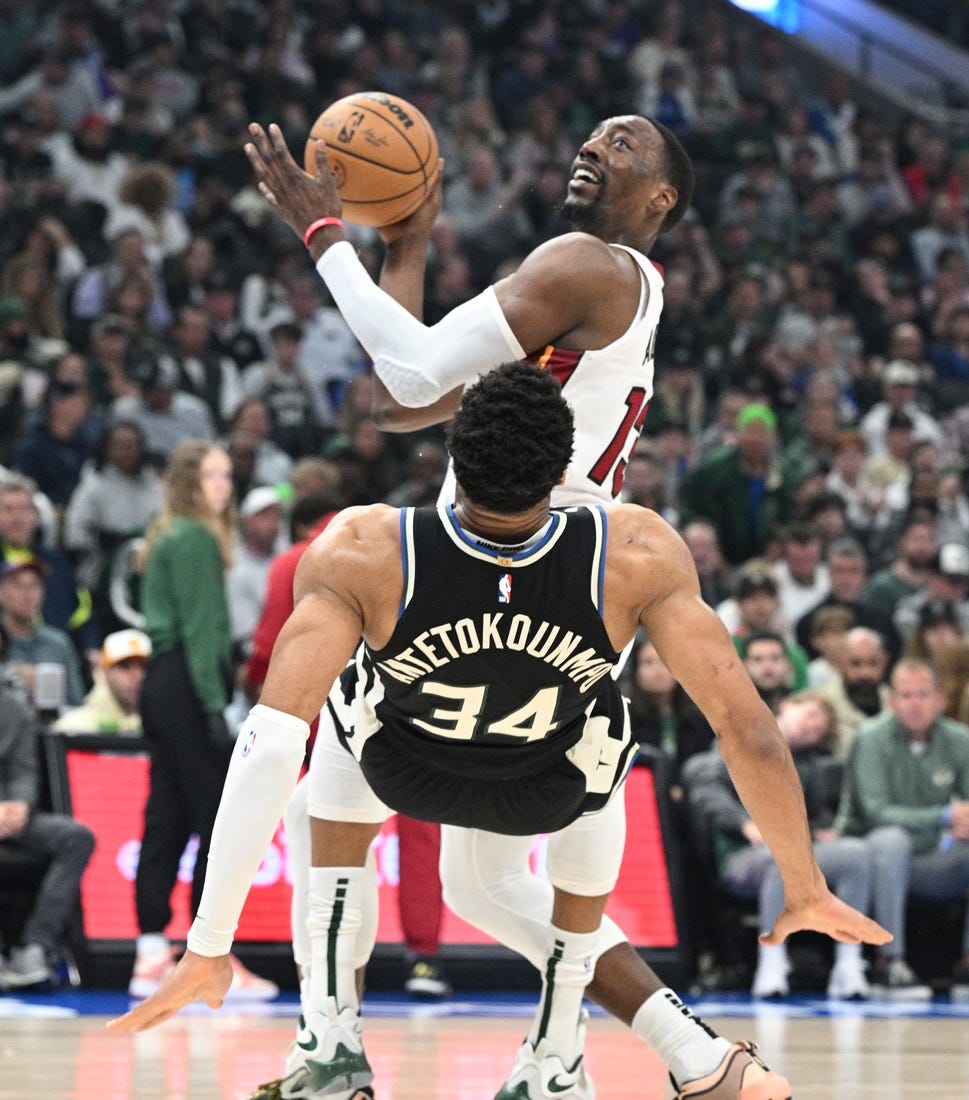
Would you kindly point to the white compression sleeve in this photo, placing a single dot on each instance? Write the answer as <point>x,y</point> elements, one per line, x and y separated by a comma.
<point>263,771</point>
<point>418,364</point>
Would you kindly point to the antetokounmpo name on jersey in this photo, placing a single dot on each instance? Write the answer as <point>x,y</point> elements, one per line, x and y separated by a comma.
<point>543,640</point>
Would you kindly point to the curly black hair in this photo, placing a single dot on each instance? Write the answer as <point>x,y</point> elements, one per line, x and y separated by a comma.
<point>511,438</point>
<point>678,172</point>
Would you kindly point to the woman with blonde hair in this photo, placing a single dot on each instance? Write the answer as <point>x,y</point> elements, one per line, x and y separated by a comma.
<point>952,663</point>
<point>187,687</point>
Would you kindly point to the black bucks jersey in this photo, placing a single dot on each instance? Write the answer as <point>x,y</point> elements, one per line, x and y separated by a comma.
<point>492,705</point>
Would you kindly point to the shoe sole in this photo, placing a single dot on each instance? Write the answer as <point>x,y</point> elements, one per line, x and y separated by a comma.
<point>140,988</point>
<point>769,1087</point>
<point>238,996</point>
<point>902,994</point>
<point>434,991</point>
<point>21,981</point>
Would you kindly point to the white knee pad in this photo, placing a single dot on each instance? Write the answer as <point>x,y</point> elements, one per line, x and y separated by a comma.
<point>337,788</point>
<point>584,858</point>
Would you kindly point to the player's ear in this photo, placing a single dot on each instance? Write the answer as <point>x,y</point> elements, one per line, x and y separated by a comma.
<point>664,199</point>
<point>562,478</point>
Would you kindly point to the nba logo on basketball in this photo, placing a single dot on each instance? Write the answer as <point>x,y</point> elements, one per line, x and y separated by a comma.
<point>504,588</point>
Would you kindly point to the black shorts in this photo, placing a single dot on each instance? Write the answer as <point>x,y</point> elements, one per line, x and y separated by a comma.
<point>541,803</point>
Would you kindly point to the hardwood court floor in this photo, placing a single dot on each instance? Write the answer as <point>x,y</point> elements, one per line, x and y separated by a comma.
<point>436,1057</point>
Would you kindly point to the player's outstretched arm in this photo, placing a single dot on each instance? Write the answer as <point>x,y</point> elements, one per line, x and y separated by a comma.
<point>196,978</point>
<point>345,583</point>
<point>698,651</point>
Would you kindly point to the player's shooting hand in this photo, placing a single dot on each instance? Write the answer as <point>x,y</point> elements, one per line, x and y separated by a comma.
<point>830,915</point>
<point>196,978</point>
<point>416,228</point>
<point>299,197</point>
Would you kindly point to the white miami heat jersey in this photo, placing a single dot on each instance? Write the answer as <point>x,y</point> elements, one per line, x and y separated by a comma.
<point>609,391</point>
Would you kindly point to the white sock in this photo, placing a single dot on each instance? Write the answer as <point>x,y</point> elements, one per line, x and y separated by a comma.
<point>772,957</point>
<point>846,952</point>
<point>569,966</point>
<point>152,943</point>
<point>687,1046</point>
<point>335,913</point>
<point>304,989</point>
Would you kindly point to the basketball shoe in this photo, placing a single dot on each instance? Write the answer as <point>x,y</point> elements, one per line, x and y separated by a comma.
<point>247,986</point>
<point>538,1074</point>
<point>154,961</point>
<point>295,1059</point>
<point>740,1076</point>
<point>328,1061</point>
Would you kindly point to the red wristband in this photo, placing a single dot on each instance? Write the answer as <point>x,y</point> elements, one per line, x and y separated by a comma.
<point>320,223</point>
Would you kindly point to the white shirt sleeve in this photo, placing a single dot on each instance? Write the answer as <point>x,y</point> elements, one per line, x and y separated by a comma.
<point>418,364</point>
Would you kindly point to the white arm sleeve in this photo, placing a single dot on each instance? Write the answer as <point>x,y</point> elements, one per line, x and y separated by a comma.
<point>262,774</point>
<point>418,364</point>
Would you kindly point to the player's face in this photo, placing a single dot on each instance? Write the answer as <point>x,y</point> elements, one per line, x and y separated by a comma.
<point>617,171</point>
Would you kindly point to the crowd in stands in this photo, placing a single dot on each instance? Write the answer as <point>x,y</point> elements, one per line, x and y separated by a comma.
<point>808,434</point>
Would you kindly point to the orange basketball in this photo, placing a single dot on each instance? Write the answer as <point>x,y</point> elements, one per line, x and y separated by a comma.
<point>382,152</point>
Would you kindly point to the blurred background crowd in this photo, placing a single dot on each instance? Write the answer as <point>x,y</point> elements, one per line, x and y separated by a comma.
<point>809,431</point>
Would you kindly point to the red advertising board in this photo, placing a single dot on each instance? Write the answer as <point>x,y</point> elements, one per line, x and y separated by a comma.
<point>108,791</point>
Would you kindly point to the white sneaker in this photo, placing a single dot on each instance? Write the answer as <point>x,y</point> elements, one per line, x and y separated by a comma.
<point>770,979</point>
<point>27,966</point>
<point>847,981</point>
<point>335,1066</point>
<point>538,1074</point>
<point>247,986</point>
<point>154,961</point>
<point>895,980</point>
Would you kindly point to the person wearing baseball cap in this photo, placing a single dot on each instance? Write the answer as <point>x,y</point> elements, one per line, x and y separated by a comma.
<point>111,706</point>
<point>899,382</point>
<point>947,580</point>
<point>32,642</point>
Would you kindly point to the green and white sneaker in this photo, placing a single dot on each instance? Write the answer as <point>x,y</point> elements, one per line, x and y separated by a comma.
<point>328,1061</point>
<point>538,1074</point>
<point>295,1058</point>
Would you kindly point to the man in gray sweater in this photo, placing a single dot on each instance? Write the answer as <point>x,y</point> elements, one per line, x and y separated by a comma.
<point>66,843</point>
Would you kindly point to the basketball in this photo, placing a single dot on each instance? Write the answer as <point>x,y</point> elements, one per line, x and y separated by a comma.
<point>382,152</point>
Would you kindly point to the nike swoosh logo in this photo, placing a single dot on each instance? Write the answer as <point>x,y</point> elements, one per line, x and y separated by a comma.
<point>310,1046</point>
<point>554,1086</point>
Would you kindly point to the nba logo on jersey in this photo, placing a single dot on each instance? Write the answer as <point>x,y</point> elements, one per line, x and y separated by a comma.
<point>504,588</point>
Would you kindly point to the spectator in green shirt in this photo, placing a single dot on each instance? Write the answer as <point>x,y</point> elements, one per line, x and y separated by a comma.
<point>906,788</point>
<point>187,687</point>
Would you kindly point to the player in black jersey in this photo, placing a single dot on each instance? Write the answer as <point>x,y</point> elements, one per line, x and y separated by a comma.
<point>369,575</point>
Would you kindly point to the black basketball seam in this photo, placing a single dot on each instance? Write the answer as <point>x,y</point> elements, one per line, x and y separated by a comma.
<point>400,133</point>
<point>423,170</point>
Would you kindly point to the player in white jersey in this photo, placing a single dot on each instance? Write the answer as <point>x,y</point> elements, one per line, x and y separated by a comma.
<point>585,306</point>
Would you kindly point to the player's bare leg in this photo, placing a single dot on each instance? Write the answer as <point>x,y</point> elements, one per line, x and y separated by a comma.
<point>489,883</point>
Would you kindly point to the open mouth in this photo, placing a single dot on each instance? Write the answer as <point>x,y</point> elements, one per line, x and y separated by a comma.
<point>583,176</point>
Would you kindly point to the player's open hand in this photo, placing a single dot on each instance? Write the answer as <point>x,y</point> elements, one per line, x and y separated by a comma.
<point>196,978</point>
<point>299,197</point>
<point>829,915</point>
